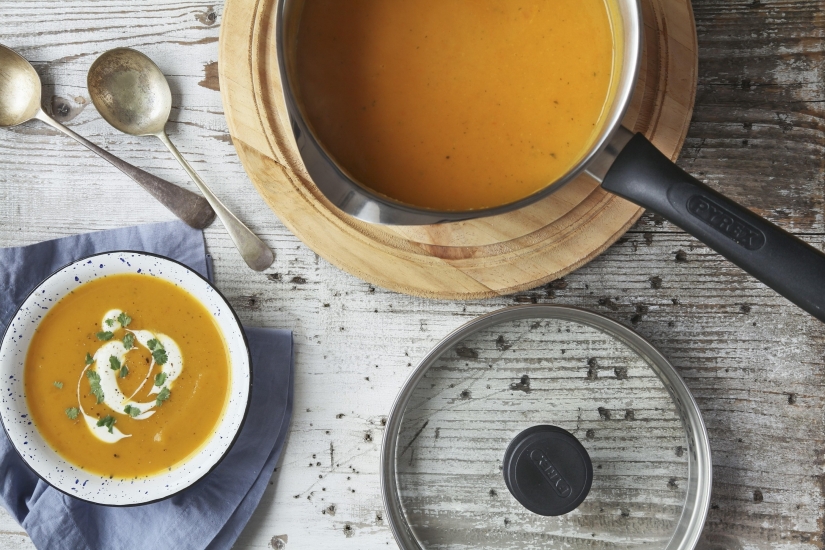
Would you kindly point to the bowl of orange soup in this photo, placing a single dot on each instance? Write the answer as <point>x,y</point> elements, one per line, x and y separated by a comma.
<point>125,378</point>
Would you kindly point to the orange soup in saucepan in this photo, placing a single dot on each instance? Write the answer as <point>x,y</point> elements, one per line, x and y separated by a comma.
<point>455,104</point>
<point>127,376</point>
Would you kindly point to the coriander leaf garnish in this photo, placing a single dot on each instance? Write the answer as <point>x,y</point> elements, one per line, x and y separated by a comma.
<point>123,371</point>
<point>89,359</point>
<point>162,396</point>
<point>131,411</point>
<point>158,351</point>
<point>110,322</point>
<point>94,384</point>
<point>160,378</point>
<point>105,335</point>
<point>58,385</point>
<point>108,421</point>
<point>114,362</point>
<point>129,341</point>
<point>124,319</point>
<point>72,413</point>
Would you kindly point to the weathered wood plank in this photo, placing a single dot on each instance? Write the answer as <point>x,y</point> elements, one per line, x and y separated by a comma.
<point>757,130</point>
<point>760,386</point>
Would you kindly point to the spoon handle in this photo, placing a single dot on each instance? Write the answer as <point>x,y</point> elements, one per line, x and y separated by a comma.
<point>189,207</point>
<point>255,253</point>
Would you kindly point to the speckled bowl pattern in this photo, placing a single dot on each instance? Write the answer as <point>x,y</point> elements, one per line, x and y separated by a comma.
<point>64,475</point>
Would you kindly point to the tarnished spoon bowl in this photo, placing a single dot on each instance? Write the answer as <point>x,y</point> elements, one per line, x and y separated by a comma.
<point>132,94</point>
<point>19,89</point>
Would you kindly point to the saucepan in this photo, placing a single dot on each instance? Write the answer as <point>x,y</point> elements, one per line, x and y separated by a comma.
<point>625,164</point>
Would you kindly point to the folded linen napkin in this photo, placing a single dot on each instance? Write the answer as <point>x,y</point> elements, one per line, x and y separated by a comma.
<point>211,513</point>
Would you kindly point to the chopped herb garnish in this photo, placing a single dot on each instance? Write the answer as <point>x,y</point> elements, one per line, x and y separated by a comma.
<point>105,336</point>
<point>89,359</point>
<point>160,356</point>
<point>108,421</point>
<point>94,383</point>
<point>123,371</point>
<point>124,319</point>
<point>110,322</point>
<point>114,362</point>
<point>131,410</point>
<point>129,341</point>
<point>162,396</point>
<point>158,351</point>
<point>72,413</point>
<point>160,378</point>
<point>58,385</point>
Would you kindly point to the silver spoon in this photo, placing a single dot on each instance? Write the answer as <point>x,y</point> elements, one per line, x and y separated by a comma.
<point>20,102</point>
<point>132,94</point>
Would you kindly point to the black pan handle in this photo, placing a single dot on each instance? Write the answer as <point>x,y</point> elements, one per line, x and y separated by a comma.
<point>793,268</point>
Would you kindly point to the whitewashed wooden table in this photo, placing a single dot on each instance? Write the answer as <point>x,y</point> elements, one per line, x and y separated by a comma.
<point>754,362</point>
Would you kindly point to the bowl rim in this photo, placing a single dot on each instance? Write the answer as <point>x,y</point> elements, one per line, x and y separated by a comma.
<point>248,395</point>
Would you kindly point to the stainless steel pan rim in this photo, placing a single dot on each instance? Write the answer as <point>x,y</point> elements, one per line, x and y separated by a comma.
<point>356,200</point>
<point>697,500</point>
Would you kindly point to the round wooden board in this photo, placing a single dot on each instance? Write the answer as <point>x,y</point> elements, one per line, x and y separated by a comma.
<point>474,259</point>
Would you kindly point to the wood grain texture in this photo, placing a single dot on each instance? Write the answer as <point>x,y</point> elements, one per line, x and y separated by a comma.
<point>472,259</point>
<point>755,363</point>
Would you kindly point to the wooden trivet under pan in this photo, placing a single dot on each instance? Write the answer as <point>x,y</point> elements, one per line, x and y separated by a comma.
<point>473,259</point>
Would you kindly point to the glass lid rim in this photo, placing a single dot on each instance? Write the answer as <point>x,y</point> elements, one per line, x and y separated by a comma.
<point>697,500</point>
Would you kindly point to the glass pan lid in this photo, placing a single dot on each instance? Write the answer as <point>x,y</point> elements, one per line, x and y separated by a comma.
<point>444,464</point>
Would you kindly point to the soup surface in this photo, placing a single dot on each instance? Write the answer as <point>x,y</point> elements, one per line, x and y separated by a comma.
<point>127,376</point>
<point>455,104</point>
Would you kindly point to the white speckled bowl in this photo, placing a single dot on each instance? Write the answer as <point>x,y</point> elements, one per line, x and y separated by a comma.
<point>57,471</point>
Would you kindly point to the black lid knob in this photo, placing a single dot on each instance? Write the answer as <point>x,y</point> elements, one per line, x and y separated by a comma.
<point>547,470</point>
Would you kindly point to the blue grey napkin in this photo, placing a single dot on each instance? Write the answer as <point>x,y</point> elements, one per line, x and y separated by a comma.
<point>211,513</point>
